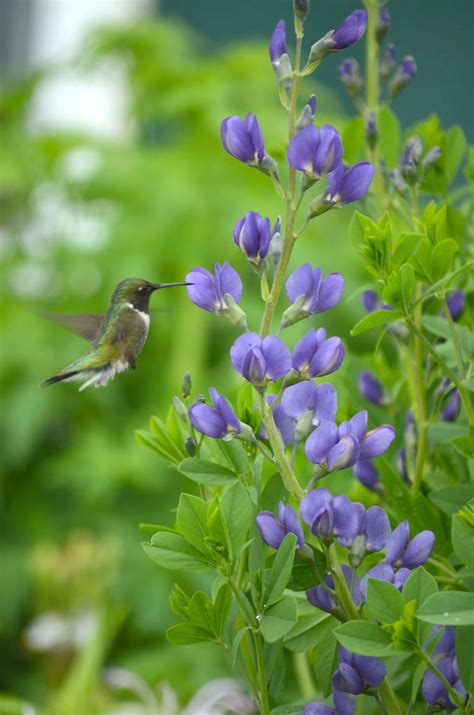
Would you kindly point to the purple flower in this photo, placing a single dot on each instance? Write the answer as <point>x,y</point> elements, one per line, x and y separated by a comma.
<point>403,76</point>
<point>316,152</point>
<point>242,138</point>
<point>388,62</point>
<point>285,424</point>
<point>401,552</point>
<point>383,24</point>
<point>273,530</point>
<point>308,406</point>
<point>351,77</point>
<point>260,361</point>
<point>367,474</point>
<point>318,709</point>
<point>329,516</point>
<point>306,117</point>
<point>278,46</point>
<point>435,692</point>
<point>350,31</point>
<point>314,356</point>
<point>385,572</point>
<point>219,421</point>
<point>357,673</point>
<point>252,235</point>
<point>310,293</point>
<point>319,597</point>
<point>370,300</point>
<point>344,705</point>
<point>346,185</point>
<point>370,388</point>
<point>452,407</point>
<point>456,303</point>
<point>218,293</point>
<point>341,447</point>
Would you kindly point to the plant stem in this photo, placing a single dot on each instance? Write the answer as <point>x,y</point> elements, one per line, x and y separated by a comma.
<point>304,675</point>
<point>373,91</point>
<point>291,203</point>
<point>289,479</point>
<point>264,702</point>
<point>447,371</point>
<point>455,337</point>
<point>453,694</point>
<point>384,690</point>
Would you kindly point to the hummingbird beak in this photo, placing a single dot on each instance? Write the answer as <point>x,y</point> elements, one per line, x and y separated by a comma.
<point>157,286</point>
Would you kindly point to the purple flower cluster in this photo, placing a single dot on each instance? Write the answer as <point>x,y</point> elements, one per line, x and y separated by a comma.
<point>218,421</point>
<point>434,691</point>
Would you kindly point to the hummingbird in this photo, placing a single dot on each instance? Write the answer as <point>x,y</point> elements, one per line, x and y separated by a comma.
<point>117,337</point>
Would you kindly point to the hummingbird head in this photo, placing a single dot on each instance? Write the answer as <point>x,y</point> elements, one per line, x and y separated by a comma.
<point>137,292</point>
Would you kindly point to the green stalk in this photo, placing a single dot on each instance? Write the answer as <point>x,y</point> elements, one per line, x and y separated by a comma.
<point>466,401</point>
<point>291,202</point>
<point>453,694</point>
<point>304,675</point>
<point>289,479</point>
<point>385,691</point>
<point>420,410</point>
<point>264,702</point>
<point>373,90</point>
<point>455,337</point>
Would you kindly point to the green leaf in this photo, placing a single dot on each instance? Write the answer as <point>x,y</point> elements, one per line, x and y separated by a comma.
<point>237,510</point>
<point>462,536</point>
<point>326,662</point>
<point>443,284</point>
<point>454,150</point>
<point>161,434</point>
<point>450,608</point>
<point>201,612</point>
<point>308,631</point>
<point>235,454</point>
<point>419,586</point>
<point>191,518</point>
<point>385,601</point>
<point>209,473</point>
<point>451,499</point>
<point>173,552</point>
<point>236,643</point>
<point>442,258</point>
<point>364,638</point>
<point>281,569</point>
<point>405,249</point>
<point>278,619</point>
<point>375,319</point>
<point>389,137</point>
<point>353,139</point>
<point>187,633</point>
<point>465,656</point>
<point>145,439</point>
<point>222,604</point>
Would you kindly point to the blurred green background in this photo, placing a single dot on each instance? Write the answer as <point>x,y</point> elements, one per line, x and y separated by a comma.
<point>82,210</point>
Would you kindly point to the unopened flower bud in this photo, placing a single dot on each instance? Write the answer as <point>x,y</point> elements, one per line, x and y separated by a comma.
<point>432,157</point>
<point>276,244</point>
<point>398,182</point>
<point>371,131</point>
<point>186,385</point>
<point>351,77</point>
<point>456,302</point>
<point>403,76</point>
<point>190,446</point>
<point>358,551</point>
<point>307,115</point>
<point>180,409</point>
<point>383,25</point>
<point>370,388</point>
<point>388,62</point>
<point>301,8</point>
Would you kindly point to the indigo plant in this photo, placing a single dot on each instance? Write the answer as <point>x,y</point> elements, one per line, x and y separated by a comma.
<point>327,593</point>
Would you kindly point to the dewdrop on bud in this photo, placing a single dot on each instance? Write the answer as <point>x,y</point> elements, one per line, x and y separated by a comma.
<point>186,385</point>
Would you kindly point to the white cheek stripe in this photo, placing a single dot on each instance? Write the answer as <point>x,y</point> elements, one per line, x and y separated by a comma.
<point>144,316</point>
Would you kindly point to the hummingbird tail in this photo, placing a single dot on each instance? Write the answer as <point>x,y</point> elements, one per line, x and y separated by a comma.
<point>59,378</point>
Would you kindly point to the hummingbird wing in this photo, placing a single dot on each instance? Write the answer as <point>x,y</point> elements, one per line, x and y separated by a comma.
<point>86,325</point>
